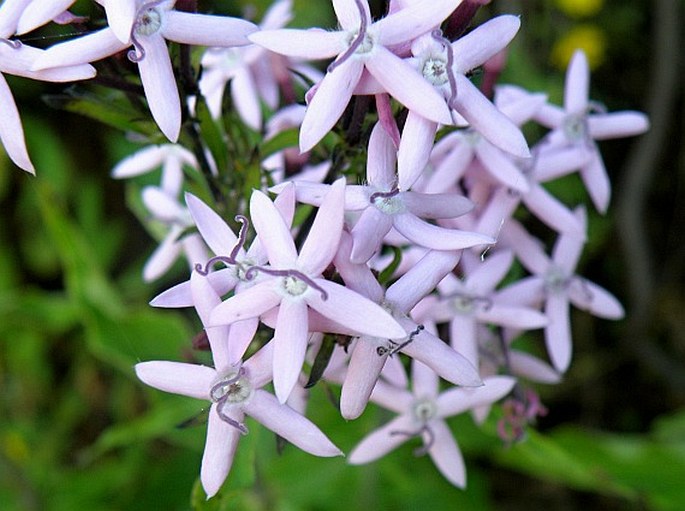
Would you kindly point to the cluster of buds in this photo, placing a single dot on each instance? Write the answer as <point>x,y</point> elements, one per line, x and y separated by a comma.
<point>401,263</point>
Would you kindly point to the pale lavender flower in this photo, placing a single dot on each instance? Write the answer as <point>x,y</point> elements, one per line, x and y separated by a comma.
<point>582,121</point>
<point>372,354</point>
<point>293,283</point>
<point>18,59</point>
<point>171,157</point>
<point>38,13</point>
<point>227,248</point>
<point>422,413</point>
<point>555,283</point>
<point>445,66</point>
<point>152,24</point>
<point>234,391</point>
<point>465,303</point>
<point>176,219</point>
<point>362,45</point>
<point>253,72</point>
<point>384,206</point>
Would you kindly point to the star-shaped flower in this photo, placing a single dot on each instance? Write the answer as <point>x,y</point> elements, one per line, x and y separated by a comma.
<point>362,44</point>
<point>293,283</point>
<point>582,121</point>
<point>151,25</point>
<point>422,413</point>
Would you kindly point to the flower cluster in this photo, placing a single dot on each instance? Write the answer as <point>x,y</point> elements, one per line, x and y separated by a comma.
<point>402,248</point>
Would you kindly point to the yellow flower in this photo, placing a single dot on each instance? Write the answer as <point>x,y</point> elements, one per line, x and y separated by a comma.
<point>580,8</point>
<point>590,38</point>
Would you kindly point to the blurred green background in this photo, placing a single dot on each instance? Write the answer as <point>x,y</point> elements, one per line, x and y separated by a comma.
<point>79,432</point>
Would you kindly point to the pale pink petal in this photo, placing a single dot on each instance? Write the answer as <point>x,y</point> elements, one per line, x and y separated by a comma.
<point>87,48</point>
<point>551,164</point>
<point>11,130</point>
<point>416,19</point>
<point>368,234</point>
<point>362,374</point>
<point>513,317</point>
<point>463,337</point>
<point>249,303</point>
<point>218,236</point>
<point>407,86</point>
<point>501,166</point>
<point>392,397</point>
<point>577,85</point>
<point>446,455</point>
<point>437,355</point>
<point>161,205</point>
<point>287,423</point>
<point>380,164</point>
<point>274,234</point>
<point>37,14</point>
<point>553,212</point>
<point>206,30</point>
<point>415,148</point>
<point>382,440</point>
<point>245,99</point>
<point>532,368</point>
<point>177,377</point>
<point>597,182</point>
<point>205,300</point>
<point>528,291</point>
<point>180,295</point>
<point>323,239</point>
<point>617,125</point>
<point>347,13</point>
<point>220,447</point>
<point>10,12</point>
<point>425,383</point>
<point>598,301</point>
<point>290,345</point>
<point>550,116</point>
<point>458,400</point>
<point>157,77</point>
<point>568,248</point>
<point>436,205</point>
<point>487,120</point>
<point>438,238</point>
<point>479,45</point>
<point>528,249</point>
<point>240,336</point>
<point>307,44</point>
<point>329,102</point>
<point>484,277</point>
<point>354,311</point>
<point>421,279</point>
<point>163,256</point>
<point>357,277</point>
<point>140,162</point>
<point>121,14</point>
<point>558,331</point>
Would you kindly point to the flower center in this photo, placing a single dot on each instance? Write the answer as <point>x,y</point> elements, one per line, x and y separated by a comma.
<point>294,286</point>
<point>234,388</point>
<point>575,128</point>
<point>424,410</point>
<point>556,280</point>
<point>149,21</point>
<point>464,304</point>
<point>435,71</point>
<point>389,203</point>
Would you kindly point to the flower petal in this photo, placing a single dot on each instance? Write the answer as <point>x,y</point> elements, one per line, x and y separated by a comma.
<point>11,130</point>
<point>249,303</point>
<point>382,441</point>
<point>446,455</point>
<point>220,447</point>
<point>354,311</point>
<point>287,423</point>
<point>157,77</point>
<point>206,30</point>
<point>290,345</point>
<point>438,238</point>
<point>177,377</point>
